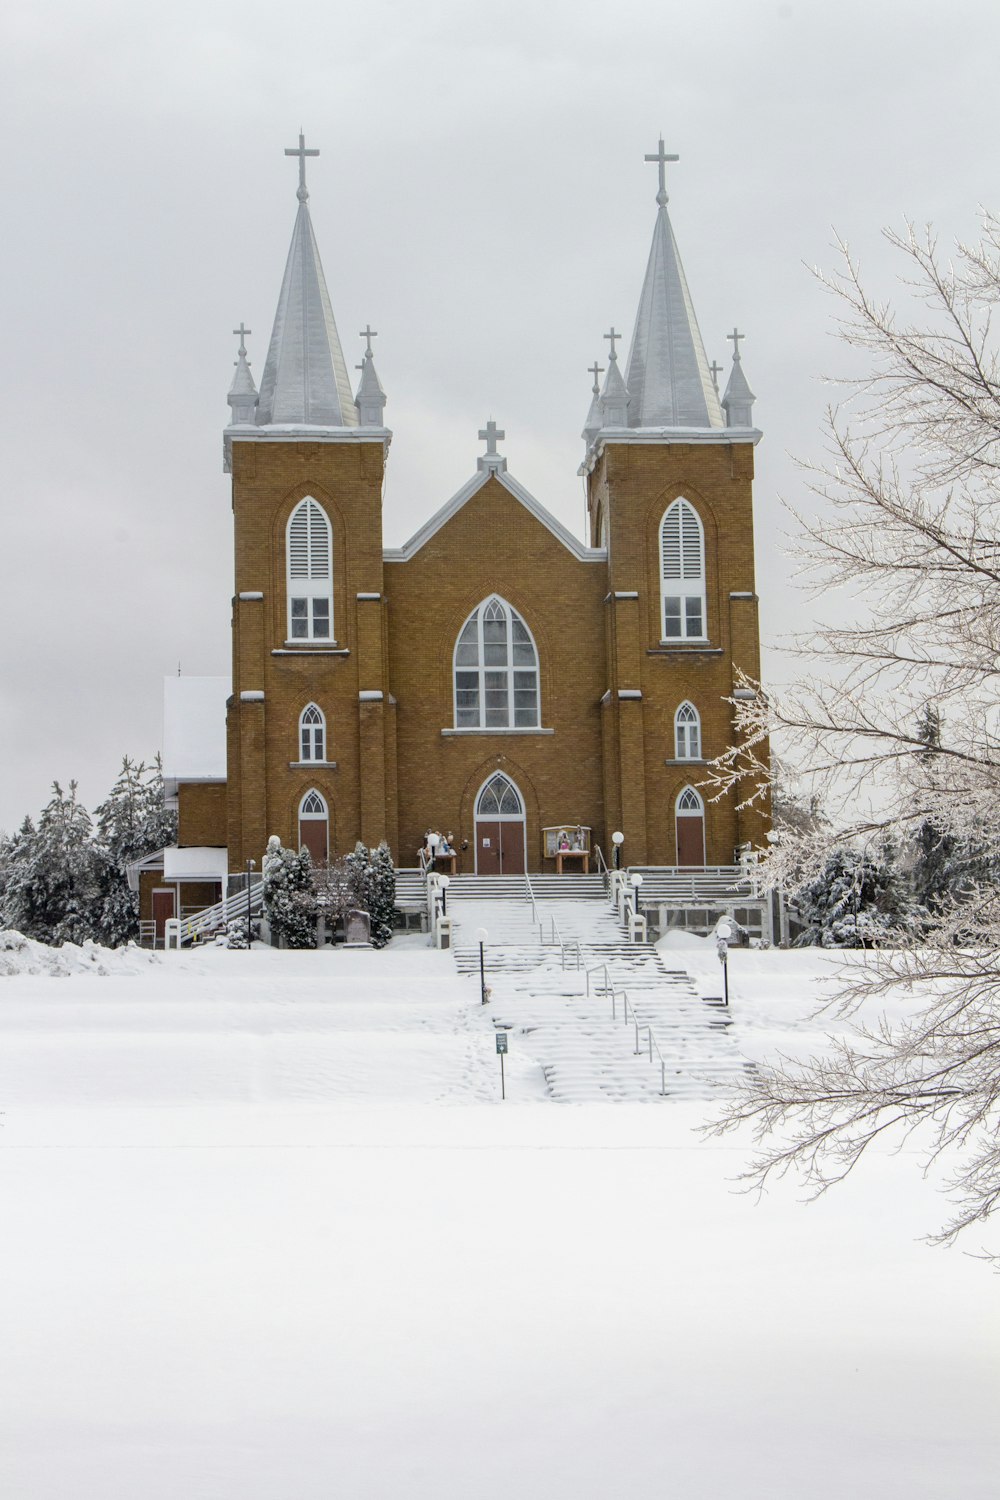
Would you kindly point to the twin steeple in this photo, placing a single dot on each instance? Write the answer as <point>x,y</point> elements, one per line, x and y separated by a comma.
<point>669,384</point>
<point>305,381</point>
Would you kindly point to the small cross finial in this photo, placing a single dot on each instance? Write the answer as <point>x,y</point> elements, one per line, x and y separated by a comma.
<point>368,333</point>
<point>661,158</point>
<point>613,336</point>
<point>241,333</point>
<point>736,336</point>
<point>595,369</point>
<point>715,370</point>
<point>489,435</point>
<point>301,152</point>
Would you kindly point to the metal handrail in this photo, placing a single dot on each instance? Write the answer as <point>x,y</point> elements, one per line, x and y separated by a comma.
<point>531,898</point>
<point>564,947</point>
<point>654,1045</point>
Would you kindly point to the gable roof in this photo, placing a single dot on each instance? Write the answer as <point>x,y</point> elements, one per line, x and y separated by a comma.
<point>524,497</point>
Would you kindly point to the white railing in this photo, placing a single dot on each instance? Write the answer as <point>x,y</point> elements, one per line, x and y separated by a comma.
<point>652,1045</point>
<point>229,909</point>
<point>534,905</point>
<point>572,947</point>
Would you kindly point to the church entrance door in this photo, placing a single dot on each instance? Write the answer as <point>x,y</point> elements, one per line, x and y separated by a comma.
<point>314,827</point>
<point>690,819</point>
<point>499,828</point>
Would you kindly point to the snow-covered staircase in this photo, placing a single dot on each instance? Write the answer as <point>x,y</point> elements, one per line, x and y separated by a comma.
<point>565,1000</point>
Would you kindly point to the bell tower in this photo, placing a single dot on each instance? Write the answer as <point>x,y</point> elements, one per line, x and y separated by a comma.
<point>669,472</point>
<point>310,733</point>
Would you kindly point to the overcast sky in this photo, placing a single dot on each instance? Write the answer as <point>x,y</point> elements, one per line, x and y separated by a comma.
<point>481,198</point>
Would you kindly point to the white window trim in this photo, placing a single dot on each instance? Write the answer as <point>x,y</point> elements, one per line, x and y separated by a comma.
<point>683,588</point>
<point>510,727</point>
<point>686,726</point>
<point>312,759</point>
<point>311,588</point>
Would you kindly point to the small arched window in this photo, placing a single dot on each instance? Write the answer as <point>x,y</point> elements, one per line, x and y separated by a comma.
<point>314,827</point>
<point>312,734</point>
<point>310,573</point>
<point>687,733</point>
<point>496,670</point>
<point>682,572</point>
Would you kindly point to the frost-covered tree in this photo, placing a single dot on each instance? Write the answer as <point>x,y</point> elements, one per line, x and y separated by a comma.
<point>383,894</point>
<point>289,901</point>
<point>132,822</point>
<point>858,899</point>
<point>906,531</point>
<point>52,881</point>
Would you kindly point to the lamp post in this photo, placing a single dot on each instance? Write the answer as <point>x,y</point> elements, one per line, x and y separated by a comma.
<point>445,883</point>
<point>618,839</point>
<point>481,937</point>
<point>723,937</point>
<point>635,881</point>
<point>251,864</point>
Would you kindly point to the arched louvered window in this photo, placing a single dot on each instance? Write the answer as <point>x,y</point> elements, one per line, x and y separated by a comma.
<point>314,827</point>
<point>687,733</point>
<point>312,734</point>
<point>682,572</point>
<point>496,670</point>
<point>310,574</point>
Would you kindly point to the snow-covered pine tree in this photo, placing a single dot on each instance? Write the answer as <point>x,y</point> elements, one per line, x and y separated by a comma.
<point>131,822</point>
<point>858,900</point>
<point>52,879</point>
<point>383,895</point>
<point>289,901</point>
<point>360,877</point>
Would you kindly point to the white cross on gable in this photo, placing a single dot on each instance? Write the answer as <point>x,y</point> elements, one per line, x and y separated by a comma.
<point>489,436</point>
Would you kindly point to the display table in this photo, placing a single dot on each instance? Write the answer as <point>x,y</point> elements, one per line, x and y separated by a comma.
<point>446,864</point>
<point>581,855</point>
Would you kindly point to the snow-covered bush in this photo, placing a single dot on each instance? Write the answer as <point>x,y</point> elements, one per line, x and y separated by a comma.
<point>858,900</point>
<point>289,902</point>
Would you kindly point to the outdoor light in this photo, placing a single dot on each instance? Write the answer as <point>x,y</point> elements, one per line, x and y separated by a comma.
<point>724,934</point>
<point>251,864</point>
<point>635,881</point>
<point>481,938</point>
<point>445,883</point>
<point>618,839</point>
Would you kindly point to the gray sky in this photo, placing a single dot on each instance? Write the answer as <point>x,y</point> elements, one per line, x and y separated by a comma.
<point>481,198</point>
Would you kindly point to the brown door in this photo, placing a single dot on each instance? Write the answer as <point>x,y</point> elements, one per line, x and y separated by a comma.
<point>312,835</point>
<point>164,906</point>
<point>511,848</point>
<point>690,840</point>
<point>488,848</point>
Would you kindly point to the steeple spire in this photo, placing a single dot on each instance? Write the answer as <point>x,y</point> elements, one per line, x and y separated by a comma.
<point>370,400</point>
<point>305,380</point>
<point>668,379</point>
<point>592,426</point>
<point>738,401</point>
<point>242,396</point>
<point>614,397</point>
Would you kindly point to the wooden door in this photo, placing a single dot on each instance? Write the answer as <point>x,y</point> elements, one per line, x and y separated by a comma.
<point>164,906</point>
<point>312,835</point>
<point>690,840</point>
<point>512,848</point>
<point>488,848</point>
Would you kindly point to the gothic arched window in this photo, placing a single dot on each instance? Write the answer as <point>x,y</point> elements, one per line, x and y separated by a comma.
<point>682,573</point>
<point>310,574</point>
<point>312,734</point>
<point>687,733</point>
<point>314,826</point>
<point>496,670</point>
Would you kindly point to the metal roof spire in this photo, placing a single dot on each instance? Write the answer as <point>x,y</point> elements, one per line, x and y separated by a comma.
<point>370,400</point>
<point>738,401</point>
<point>242,396</point>
<point>305,380</point>
<point>669,381</point>
<point>592,426</point>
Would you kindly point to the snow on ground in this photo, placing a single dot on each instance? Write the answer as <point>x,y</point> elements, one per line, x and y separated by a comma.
<point>269,1231</point>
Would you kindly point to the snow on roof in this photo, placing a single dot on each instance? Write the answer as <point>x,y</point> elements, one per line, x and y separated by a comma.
<point>197,862</point>
<point>194,728</point>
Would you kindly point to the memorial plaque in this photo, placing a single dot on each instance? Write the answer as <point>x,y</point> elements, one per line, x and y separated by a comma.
<point>358,929</point>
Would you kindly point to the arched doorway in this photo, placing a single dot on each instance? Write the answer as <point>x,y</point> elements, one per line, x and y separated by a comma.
<point>314,827</point>
<point>499,827</point>
<point>690,819</point>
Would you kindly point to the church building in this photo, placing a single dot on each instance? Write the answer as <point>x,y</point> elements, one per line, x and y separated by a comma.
<point>495,678</point>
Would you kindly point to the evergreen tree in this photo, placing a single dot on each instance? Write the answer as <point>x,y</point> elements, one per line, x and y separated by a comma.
<point>131,823</point>
<point>52,882</point>
<point>858,900</point>
<point>383,895</point>
<point>289,900</point>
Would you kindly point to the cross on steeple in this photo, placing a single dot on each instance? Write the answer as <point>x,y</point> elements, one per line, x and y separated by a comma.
<point>368,333</point>
<point>489,436</point>
<point>613,335</point>
<point>715,370</point>
<point>595,369</point>
<point>242,332</point>
<point>736,336</point>
<point>301,152</point>
<point>661,158</point>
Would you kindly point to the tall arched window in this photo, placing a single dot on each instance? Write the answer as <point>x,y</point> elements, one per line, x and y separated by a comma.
<point>314,827</point>
<point>312,734</point>
<point>682,570</point>
<point>310,574</point>
<point>687,733</point>
<point>496,670</point>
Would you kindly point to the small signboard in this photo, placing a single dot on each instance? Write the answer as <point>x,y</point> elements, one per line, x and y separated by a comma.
<point>501,1041</point>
